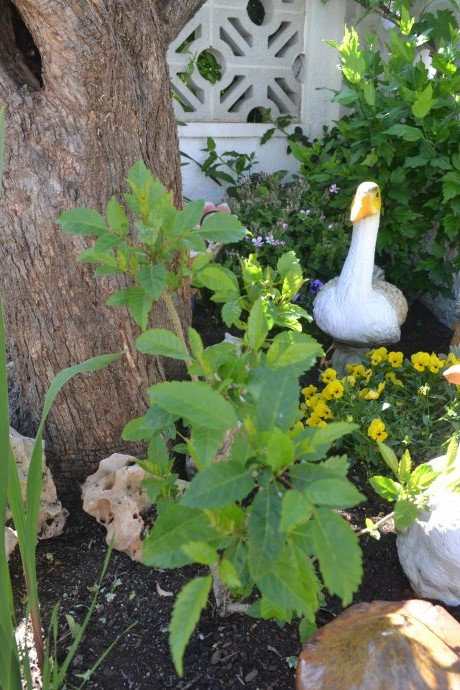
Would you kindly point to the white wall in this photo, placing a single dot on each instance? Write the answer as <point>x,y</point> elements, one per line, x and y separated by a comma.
<point>319,75</point>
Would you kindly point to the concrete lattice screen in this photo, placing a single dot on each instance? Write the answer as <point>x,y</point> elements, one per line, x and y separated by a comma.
<point>259,48</point>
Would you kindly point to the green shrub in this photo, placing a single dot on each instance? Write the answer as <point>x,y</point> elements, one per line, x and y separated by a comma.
<point>403,131</point>
<point>295,215</point>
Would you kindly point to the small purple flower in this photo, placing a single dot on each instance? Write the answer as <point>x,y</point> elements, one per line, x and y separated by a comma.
<point>333,189</point>
<point>257,241</point>
<point>315,286</point>
<point>284,226</point>
<point>305,212</point>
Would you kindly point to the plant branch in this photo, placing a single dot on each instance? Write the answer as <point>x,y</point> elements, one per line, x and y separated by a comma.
<point>376,525</point>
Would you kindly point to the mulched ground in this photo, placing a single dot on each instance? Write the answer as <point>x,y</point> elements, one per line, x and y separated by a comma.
<point>230,652</point>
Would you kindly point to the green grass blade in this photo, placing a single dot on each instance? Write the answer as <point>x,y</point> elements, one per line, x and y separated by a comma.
<point>60,676</point>
<point>9,660</point>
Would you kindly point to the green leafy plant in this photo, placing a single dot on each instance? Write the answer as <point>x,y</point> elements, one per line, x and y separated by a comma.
<point>403,131</point>
<point>262,505</point>
<point>283,215</point>
<point>408,403</point>
<point>227,167</point>
<point>411,489</point>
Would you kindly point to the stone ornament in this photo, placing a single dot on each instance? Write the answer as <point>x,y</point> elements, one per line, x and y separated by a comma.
<point>51,515</point>
<point>381,646</point>
<point>115,497</point>
<point>11,539</point>
<point>429,550</point>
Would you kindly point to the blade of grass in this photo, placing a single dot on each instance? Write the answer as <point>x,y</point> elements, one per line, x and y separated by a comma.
<point>10,675</point>
<point>26,520</point>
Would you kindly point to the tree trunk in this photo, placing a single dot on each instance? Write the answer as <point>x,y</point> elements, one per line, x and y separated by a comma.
<point>87,92</point>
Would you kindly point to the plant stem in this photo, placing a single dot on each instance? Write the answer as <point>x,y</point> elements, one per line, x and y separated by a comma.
<point>172,311</point>
<point>376,525</point>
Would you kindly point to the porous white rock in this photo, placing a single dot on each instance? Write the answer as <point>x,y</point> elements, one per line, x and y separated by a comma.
<point>429,550</point>
<point>115,497</point>
<point>11,539</point>
<point>51,514</point>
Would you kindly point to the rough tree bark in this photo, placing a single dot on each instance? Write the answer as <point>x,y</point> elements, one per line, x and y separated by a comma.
<point>87,92</point>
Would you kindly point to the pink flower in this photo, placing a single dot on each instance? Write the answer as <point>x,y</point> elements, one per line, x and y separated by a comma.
<point>209,207</point>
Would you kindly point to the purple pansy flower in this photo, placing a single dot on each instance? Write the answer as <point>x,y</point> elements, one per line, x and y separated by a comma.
<point>315,286</point>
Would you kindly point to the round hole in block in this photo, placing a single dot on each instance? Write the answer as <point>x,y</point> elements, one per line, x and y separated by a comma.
<point>256,11</point>
<point>255,115</point>
<point>209,66</point>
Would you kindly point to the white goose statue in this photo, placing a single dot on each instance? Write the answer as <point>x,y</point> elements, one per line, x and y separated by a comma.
<point>356,308</point>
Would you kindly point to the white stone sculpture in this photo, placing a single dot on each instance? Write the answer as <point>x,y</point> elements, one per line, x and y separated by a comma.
<point>115,497</point>
<point>429,550</point>
<point>51,514</point>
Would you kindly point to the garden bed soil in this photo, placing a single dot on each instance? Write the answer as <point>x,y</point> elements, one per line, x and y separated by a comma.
<point>230,652</point>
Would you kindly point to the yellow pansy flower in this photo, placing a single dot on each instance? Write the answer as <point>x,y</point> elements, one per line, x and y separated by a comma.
<point>311,402</point>
<point>374,393</point>
<point>378,355</point>
<point>391,376</point>
<point>376,430</point>
<point>356,369</point>
<point>309,391</point>
<point>314,420</point>
<point>329,374</point>
<point>420,360</point>
<point>322,410</point>
<point>334,389</point>
<point>395,359</point>
<point>434,364</point>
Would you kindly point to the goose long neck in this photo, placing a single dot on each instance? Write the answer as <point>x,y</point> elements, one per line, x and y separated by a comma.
<point>356,275</point>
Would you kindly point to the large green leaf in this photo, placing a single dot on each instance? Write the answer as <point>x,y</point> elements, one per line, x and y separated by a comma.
<point>279,450</point>
<point>265,539</point>
<point>295,510</point>
<point>189,217</point>
<point>186,614</point>
<point>116,217</point>
<point>291,582</point>
<point>137,301</point>
<point>218,279</point>
<point>406,132</point>
<point>204,443</point>
<point>153,278</point>
<point>339,555</point>
<point>160,341</point>
<point>277,403</point>
<point>220,227</point>
<point>176,526</point>
<point>195,402</point>
<point>218,485</point>
<point>405,514</point>
<point>386,487</point>
<point>312,444</point>
<point>293,349</point>
<point>257,325</point>
<point>335,492</point>
<point>82,221</point>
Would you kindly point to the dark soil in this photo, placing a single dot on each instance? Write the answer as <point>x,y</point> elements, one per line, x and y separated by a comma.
<point>230,652</point>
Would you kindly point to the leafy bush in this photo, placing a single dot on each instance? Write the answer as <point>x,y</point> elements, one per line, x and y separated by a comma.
<point>408,404</point>
<point>268,510</point>
<point>289,215</point>
<point>403,131</point>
